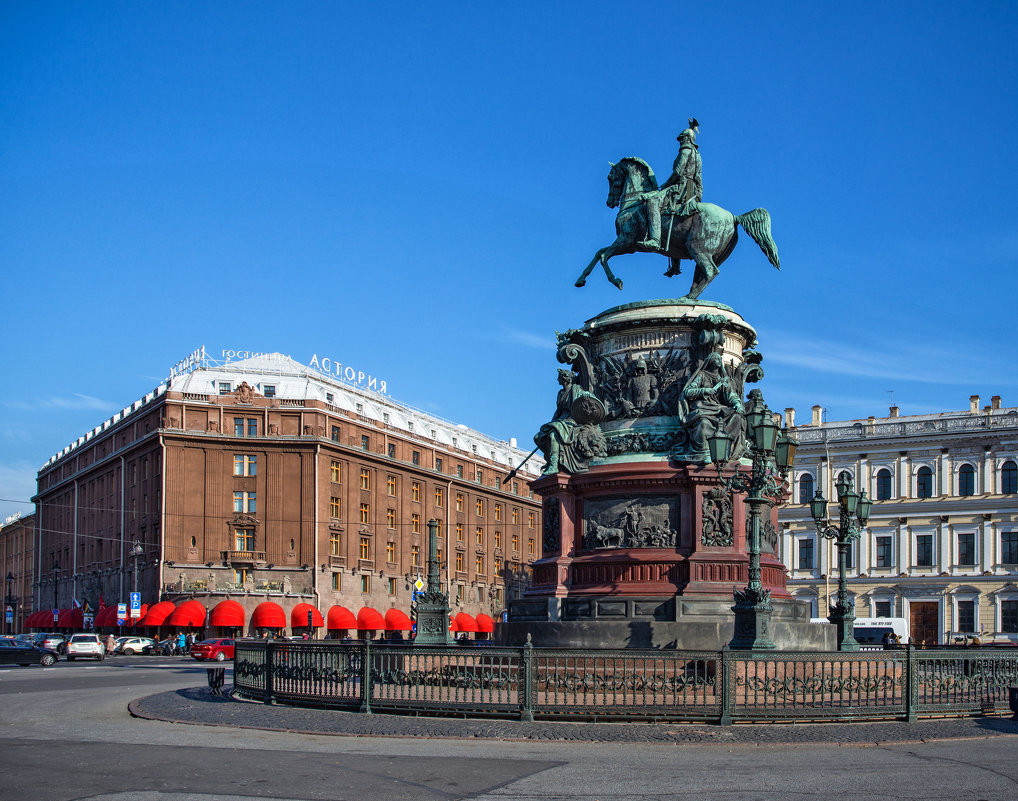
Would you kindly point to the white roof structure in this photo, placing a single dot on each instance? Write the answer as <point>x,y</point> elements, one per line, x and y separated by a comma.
<point>291,380</point>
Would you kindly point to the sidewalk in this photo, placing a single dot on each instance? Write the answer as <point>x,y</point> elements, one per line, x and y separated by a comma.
<point>197,706</point>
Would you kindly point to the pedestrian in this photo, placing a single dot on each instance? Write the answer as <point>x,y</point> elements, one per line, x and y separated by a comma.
<point>111,645</point>
<point>181,642</point>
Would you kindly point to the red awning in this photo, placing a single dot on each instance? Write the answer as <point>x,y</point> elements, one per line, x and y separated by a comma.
<point>71,619</point>
<point>229,614</point>
<point>464,623</point>
<point>268,615</point>
<point>299,617</point>
<point>369,619</point>
<point>339,618</point>
<point>107,617</point>
<point>485,625</point>
<point>397,620</point>
<point>189,613</point>
<point>40,619</point>
<point>157,614</point>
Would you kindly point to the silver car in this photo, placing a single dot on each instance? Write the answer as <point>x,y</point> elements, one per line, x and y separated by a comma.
<point>85,645</point>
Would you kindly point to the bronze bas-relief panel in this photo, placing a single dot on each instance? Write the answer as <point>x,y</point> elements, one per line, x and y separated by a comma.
<point>641,522</point>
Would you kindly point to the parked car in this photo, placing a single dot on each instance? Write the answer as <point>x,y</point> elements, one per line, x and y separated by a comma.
<point>135,645</point>
<point>21,652</point>
<point>54,642</point>
<point>218,649</point>
<point>85,645</point>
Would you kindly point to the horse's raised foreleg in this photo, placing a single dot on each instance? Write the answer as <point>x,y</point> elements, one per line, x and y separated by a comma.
<point>582,280</point>
<point>620,245</point>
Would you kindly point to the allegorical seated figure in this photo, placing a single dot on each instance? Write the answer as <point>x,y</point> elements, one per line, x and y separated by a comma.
<point>640,392</point>
<point>713,405</point>
<point>568,443</point>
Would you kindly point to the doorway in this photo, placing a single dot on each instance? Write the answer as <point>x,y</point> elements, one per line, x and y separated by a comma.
<point>924,622</point>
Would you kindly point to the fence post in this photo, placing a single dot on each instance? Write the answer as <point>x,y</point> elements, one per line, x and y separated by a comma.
<point>911,690</point>
<point>527,681</point>
<point>267,698</point>
<point>366,678</point>
<point>724,686</point>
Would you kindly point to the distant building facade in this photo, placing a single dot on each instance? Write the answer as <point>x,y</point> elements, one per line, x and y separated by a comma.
<point>17,558</point>
<point>264,479</point>
<point>941,548</point>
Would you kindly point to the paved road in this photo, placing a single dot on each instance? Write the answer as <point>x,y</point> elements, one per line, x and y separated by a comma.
<point>67,734</point>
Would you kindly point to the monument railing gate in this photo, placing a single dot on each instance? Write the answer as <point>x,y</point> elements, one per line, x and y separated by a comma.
<point>575,684</point>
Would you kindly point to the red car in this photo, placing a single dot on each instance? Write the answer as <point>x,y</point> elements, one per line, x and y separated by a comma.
<point>220,649</point>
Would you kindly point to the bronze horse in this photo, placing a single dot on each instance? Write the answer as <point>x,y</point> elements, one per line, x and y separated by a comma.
<point>707,238</point>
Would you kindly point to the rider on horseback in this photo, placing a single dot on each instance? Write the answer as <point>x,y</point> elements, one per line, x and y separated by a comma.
<point>682,191</point>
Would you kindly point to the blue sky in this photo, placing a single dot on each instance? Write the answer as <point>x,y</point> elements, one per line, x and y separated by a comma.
<point>413,188</point>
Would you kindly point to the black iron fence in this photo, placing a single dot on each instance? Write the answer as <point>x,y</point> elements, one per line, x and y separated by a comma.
<point>564,684</point>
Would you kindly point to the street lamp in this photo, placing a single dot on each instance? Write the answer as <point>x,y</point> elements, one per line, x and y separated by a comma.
<point>136,551</point>
<point>773,453</point>
<point>9,604</point>
<point>853,514</point>
<point>56,572</point>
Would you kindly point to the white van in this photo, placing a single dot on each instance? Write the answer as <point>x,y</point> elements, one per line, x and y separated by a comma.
<point>872,630</point>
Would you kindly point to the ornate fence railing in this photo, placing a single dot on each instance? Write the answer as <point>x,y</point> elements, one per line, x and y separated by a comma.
<point>551,683</point>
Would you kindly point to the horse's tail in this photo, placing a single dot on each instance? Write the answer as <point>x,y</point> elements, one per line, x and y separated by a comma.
<point>757,224</point>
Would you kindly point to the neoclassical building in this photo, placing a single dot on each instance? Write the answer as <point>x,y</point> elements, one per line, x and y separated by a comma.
<point>941,547</point>
<point>261,479</point>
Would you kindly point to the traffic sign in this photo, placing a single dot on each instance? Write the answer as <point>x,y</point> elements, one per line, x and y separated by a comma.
<point>10,614</point>
<point>121,610</point>
<point>135,604</point>
<point>419,584</point>
<point>121,621</point>
<point>56,615</point>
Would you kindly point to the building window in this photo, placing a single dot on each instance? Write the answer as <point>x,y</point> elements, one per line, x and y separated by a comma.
<point>459,561</point>
<point>884,558</point>
<point>390,518</point>
<point>415,457</point>
<point>1009,547</point>
<point>498,565</point>
<point>924,550</point>
<point>805,488</point>
<point>415,491</point>
<point>243,539</point>
<point>439,496</point>
<point>459,467</point>
<point>392,586</point>
<point>530,520</point>
<point>409,425</point>
<point>390,552</point>
<point>479,535</point>
<point>336,582</point>
<point>238,426</point>
<point>365,584</point>
<point>365,548</point>
<point>438,527</point>
<point>480,507</point>
<point>924,483</point>
<point>516,516</point>
<point>269,390</point>
<point>966,480</point>
<point>335,471</point>
<point>365,442</point>
<point>365,478</point>
<point>385,418</point>
<point>480,476</point>
<point>1009,478</point>
<point>967,549</point>
<point>245,465</point>
<point>240,575</point>
<point>498,512</point>
<point>967,616</point>
<point>415,523</point>
<point>1009,617</point>
<point>390,486</point>
<point>805,554</point>
<point>459,502</point>
<point>359,408</point>
<point>335,434</point>
<point>438,464</point>
<point>883,485</point>
<point>335,543</point>
<point>530,545</point>
<point>498,539</point>
<point>244,502</point>
<point>516,542</point>
<point>252,427</point>
<point>392,450</point>
<point>440,557</point>
<point>516,488</point>
<point>224,387</point>
<point>330,398</point>
<point>415,555</point>
<point>335,507</point>
<point>365,513</point>
<point>459,593</point>
<point>882,608</point>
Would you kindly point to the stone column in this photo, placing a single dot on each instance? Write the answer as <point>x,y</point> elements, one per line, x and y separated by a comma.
<point>946,474</point>
<point>988,479</point>
<point>945,534</point>
<point>986,546</point>
<point>904,476</point>
<point>901,563</point>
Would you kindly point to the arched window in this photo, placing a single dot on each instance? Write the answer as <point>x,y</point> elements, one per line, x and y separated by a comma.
<point>924,483</point>
<point>1009,478</point>
<point>966,480</point>
<point>883,485</point>
<point>805,488</point>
